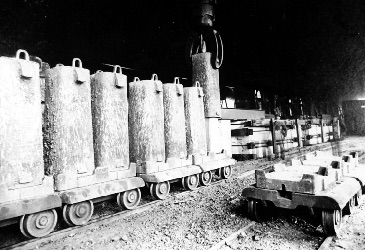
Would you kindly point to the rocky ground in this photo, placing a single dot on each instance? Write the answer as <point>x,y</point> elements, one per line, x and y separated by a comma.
<point>202,218</point>
<point>297,230</point>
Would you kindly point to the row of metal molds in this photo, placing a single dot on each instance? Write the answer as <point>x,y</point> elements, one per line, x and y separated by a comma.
<point>98,142</point>
<point>170,138</point>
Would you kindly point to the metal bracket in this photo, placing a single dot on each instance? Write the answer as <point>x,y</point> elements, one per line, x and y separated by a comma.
<point>81,77</point>
<point>26,70</point>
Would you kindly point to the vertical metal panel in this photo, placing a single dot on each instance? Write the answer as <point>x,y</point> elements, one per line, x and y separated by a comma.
<point>213,133</point>
<point>109,105</point>
<point>68,122</point>
<point>175,137</point>
<point>146,121</point>
<point>208,77</point>
<point>195,121</point>
<point>21,149</point>
<point>225,127</point>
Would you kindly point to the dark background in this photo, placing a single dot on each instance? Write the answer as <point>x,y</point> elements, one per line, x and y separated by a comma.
<point>307,48</point>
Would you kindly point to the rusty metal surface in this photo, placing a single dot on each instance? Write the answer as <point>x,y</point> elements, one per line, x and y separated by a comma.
<point>29,206</point>
<point>175,137</point>
<point>100,190</point>
<point>21,157</point>
<point>171,174</point>
<point>146,121</point>
<point>195,121</point>
<point>68,124</point>
<point>335,197</point>
<point>208,77</point>
<point>109,106</point>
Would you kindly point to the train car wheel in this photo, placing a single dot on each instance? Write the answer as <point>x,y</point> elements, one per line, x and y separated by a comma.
<point>257,210</point>
<point>78,214</point>
<point>22,230</point>
<point>64,216</point>
<point>160,190</point>
<point>38,224</point>
<point>226,172</point>
<point>191,182</point>
<point>205,178</point>
<point>129,199</point>
<point>358,198</point>
<point>183,183</point>
<point>331,221</point>
<point>349,208</point>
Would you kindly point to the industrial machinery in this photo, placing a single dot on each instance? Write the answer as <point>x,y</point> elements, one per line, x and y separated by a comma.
<point>329,186</point>
<point>99,144</point>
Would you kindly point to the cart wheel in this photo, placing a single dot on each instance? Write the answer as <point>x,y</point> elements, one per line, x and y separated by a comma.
<point>226,172</point>
<point>205,178</point>
<point>160,190</point>
<point>258,211</point>
<point>182,183</point>
<point>349,208</point>
<point>21,227</point>
<point>38,224</point>
<point>191,182</point>
<point>331,221</point>
<point>78,214</point>
<point>129,199</point>
<point>64,213</point>
<point>358,198</point>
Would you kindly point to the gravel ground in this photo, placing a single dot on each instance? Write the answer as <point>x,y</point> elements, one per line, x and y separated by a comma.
<point>192,220</point>
<point>296,230</point>
<point>197,220</point>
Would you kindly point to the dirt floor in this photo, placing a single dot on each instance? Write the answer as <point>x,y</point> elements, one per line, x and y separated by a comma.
<point>202,218</point>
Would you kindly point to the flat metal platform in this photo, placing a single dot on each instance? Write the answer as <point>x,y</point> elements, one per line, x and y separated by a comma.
<point>335,197</point>
<point>18,208</point>
<point>101,189</point>
<point>176,173</point>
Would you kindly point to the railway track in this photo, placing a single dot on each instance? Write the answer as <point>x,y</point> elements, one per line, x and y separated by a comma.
<point>94,223</point>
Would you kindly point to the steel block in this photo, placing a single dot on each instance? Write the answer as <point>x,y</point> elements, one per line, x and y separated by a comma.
<point>146,122</point>
<point>208,77</point>
<point>21,142</point>
<point>109,105</point>
<point>174,121</point>
<point>195,123</point>
<point>68,124</point>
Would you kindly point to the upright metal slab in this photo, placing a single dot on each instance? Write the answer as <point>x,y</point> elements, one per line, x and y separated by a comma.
<point>225,127</point>
<point>21,148</point>
<point>146,122</point>
<point>109,106</point>
<point>213,133</point>
<point>195,121</point>
<point>68,125</point>
<point>208,77</point>
<point>175,137</point>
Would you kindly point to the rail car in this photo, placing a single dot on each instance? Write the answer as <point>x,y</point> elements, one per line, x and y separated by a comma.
<point>329,186</point>
<point>101,138</point>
